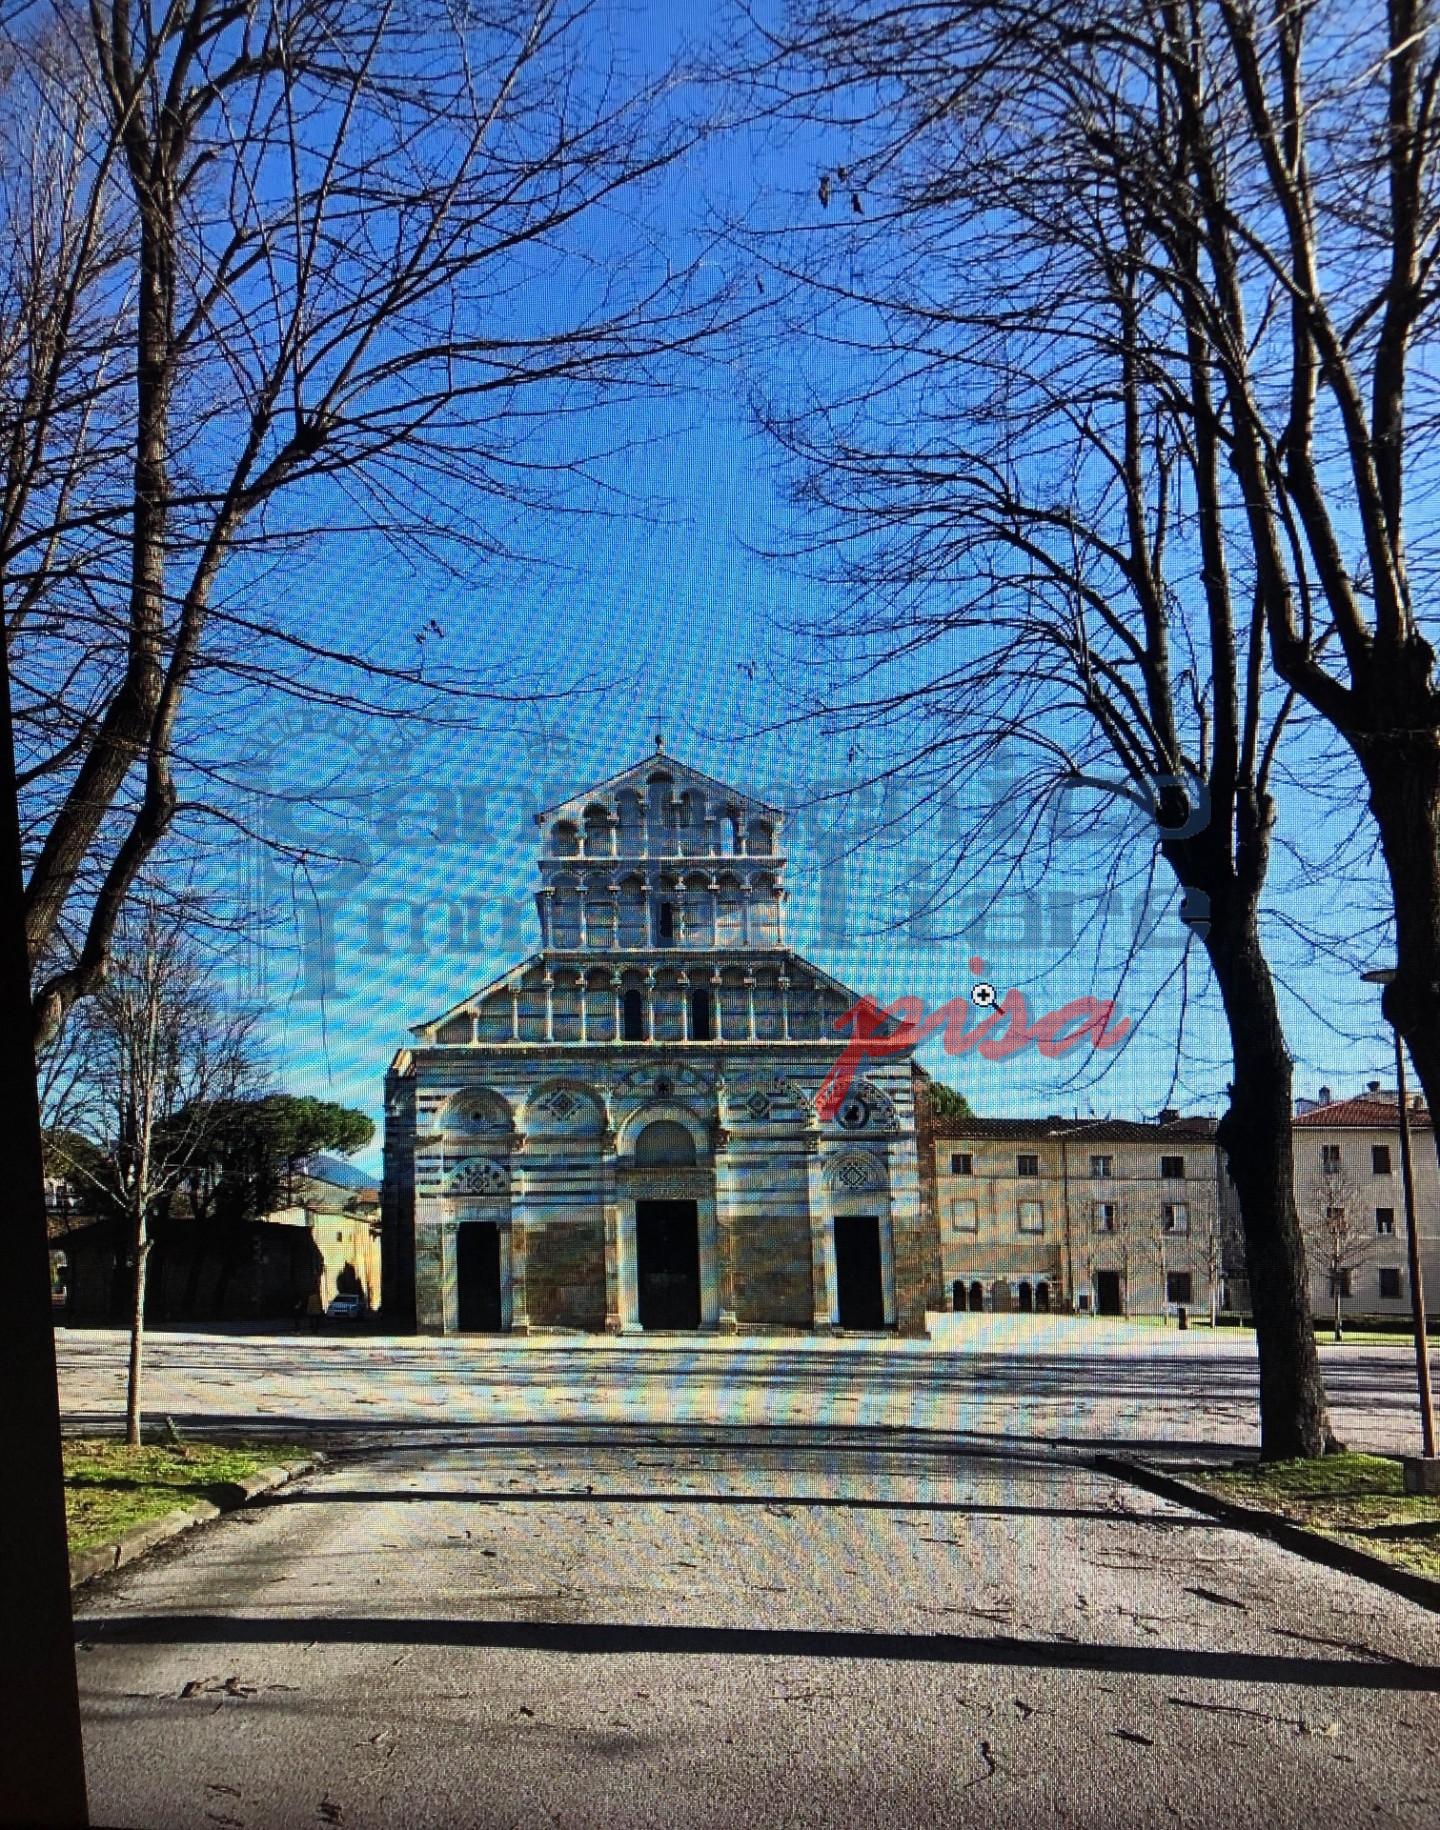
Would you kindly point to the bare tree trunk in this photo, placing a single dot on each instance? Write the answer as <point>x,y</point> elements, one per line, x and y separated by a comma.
<point>137,1332</point>
<point>42,1768</point>
<point>1339,1334</point>
<point>1255,1135</point>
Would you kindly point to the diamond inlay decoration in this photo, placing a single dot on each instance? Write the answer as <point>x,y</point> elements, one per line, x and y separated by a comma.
<point>757,1105</point>
<point>479,1178</point>
<point>854,1175</point>
<point>562,1105</point>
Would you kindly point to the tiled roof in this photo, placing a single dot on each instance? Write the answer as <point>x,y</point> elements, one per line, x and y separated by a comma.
<point>1089,1130</point>
<point>1363,1114</point>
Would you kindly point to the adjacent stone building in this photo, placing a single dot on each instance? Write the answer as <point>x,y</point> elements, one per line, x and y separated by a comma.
<point>1093,1215</point>
<point>620,1132</point>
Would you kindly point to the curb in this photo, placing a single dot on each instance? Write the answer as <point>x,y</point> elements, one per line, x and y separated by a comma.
<point>1297,1538</point>
<point>100,1559</point>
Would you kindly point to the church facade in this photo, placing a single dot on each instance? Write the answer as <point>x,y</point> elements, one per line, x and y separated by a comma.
<point>620,1133</point>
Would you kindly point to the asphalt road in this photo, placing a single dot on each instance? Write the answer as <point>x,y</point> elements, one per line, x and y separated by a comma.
<point>705,1593</point>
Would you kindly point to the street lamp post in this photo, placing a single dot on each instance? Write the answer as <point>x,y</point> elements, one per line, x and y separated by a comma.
<point>1421,1479</point>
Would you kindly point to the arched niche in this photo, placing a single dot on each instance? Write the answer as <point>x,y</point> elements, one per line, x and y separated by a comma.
<point>564,839</point>
<point>670,1110</point>
<point>664,1144</point>
<point>564,1108</point>
<point>477,1112</point>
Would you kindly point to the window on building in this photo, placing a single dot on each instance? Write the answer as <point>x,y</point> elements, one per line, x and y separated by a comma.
<point>700,1015</point>
<point>1380,1159</point>
<point>965,1216</point>
<point>1385,1222</point>
<point>1329,1159</point>
<point>1032,1216</point>
<point>1175,1217</point>
<point>632,1017</point>
<point>1027,1165</point>
<point>1389,1284</point>
<point>665,924</point>
<point>1172,1168</point>
<point>1179,1287</point>
<point>1104,1217</point>
<point>1102,1168</point>
<point>962,1163</point>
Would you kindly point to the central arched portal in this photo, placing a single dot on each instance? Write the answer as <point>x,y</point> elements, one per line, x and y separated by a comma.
<point>667,1263</point>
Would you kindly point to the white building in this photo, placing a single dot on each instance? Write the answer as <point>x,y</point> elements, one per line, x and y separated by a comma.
<point>620,1132</point>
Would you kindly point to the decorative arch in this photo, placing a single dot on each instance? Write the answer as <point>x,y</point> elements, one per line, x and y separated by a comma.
<point>665,1143</point>
<point>564,1107</point>
<point>565,839</point>
<point>476,1112</point>
<point>671,1110</point>
<point>865,1108</point>
<point>477,1175</point>
<point>855,1173</point>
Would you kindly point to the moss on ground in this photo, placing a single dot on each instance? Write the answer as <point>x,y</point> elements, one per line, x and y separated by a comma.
<point>1357,1499</point>
<point>109,1487</point>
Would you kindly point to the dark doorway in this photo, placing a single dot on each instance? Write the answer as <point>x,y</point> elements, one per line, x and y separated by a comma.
<point>958,1297</point>
<point>1042,1298</point>
<point>977,1297</point>
<point>1025,1299</point>
<point>857,1271</point>
<point>700,1015</point>
<point>1107,1293</point>
<point>632,1017</point>
<point>667,1253</point>
<point>477,1277</point>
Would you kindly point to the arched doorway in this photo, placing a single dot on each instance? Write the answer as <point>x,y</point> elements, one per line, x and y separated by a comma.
<point>1042,1298</point>
<point>957,1296</point>
<point>977,1296</point>
<point>477,1277</point>
<point>1025,1300</point>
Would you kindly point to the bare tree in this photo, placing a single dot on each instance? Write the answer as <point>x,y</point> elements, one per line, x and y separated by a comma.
<point>278,267</point>
<point>1339,1239</point>
<point>159,1049</point>
<point>1017,459</point>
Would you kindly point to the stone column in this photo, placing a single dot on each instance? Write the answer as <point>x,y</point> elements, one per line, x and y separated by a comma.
<point>547,897</point>
<point>726,1322</point>
<point>514,1013</point>
<point>821,1246</point>
<point>745,893</point>
<point>583,904</point>
<point>617,986</point>
<point>627,1277</point>
<point>750,1006</point>
<point>683,980</point>
<point>549,982</point>
<point>649,1003</point>
<point>716,1020</point>
<point>784,984</point>
<point>519,1310</point>
<point>580,989</point>
<point>611,1208</point>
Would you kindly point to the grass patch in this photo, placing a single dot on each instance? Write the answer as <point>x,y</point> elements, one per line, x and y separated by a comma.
<point>1357,1499</point>
<point>110,1487</point>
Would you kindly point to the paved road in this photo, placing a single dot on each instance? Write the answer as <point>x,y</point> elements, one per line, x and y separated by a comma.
<point>706,1591</point>
<point>1060,1380</point>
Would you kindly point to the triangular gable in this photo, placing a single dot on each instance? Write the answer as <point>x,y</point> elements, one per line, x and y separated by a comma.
<point>466,1006</point>
<point>682,771</point>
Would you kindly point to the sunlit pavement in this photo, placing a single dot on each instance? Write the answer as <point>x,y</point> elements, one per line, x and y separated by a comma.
<point>670,1583</point>
<point>1062,1380</point>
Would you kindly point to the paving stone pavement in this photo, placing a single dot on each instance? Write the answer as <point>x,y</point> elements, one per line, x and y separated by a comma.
<point>796,1585</point>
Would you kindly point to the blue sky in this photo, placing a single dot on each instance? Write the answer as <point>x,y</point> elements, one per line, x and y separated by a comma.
<point>668,611</point>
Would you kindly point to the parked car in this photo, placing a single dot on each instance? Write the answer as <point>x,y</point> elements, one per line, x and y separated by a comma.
<point>345,1308</point>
